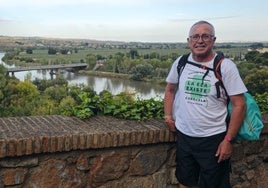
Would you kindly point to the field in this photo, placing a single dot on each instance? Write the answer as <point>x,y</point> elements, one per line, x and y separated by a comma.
<point>42,55</point>
<point>40,46</point>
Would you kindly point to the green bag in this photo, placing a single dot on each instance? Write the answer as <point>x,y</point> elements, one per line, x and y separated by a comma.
<point>252,124</point>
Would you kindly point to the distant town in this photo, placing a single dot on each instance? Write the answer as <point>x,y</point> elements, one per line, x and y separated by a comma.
<point>7,43</point>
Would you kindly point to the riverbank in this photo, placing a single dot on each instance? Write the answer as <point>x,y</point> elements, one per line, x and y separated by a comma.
<point>100,81</point>
<point>104,74</point>
<point>160,81</point>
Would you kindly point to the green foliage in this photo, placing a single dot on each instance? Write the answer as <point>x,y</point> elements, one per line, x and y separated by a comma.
<point>141,71</point>
<point>257,81</point>
<point>43,84</point>
<point>262,101</point>
<point>52,51</point>
<point>250,56</point>
<point>66,106</point>
<point>27,89</point>
<point>87,106</point>
<point>45,107</point>
<point>64,51</point>
<point>246,68</point>
<point>29,51</point>
<point>56,92</point>
<point>121,106</point>
<point>258,58</point>
<point>10,55</point>
<point>122,60</point>
<point>24,99</point>
<point>91,60</point>
<point>133,53</point>
<point>26,59</point>
<point>256,45</point>
<point>46,97</point>
<point>20,98</point>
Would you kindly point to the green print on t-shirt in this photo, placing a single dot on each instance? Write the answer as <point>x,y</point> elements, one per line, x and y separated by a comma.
<point>196,87</point>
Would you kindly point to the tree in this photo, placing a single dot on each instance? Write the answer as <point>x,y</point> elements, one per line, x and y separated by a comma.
<point>66,106</point>
<point>257,82</point>
<point>262,101</point>
<point>256,45</point>
<point>155,62</point>
<point>29,51</point>
<point>91,60</point>
<point>118,60</point>
<point>56,93</point>
<point>52,51</point>
<point>246,68</point>
<point>24,99</point>
<point>63,51</point>
<point>154,55</point>
<point>251,56</point>
<point>141,71</point>
<point>133,53</point>
<point>10,55</point>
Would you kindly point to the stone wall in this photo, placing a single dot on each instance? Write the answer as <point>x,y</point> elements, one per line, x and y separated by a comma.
<point>104,152</point>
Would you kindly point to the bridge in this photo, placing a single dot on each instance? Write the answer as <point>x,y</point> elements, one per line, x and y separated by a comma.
<point>52,68</point>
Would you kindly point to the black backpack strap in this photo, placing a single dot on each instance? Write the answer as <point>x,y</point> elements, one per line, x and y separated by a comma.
<point>216,65</point>
<point>181,64</point>
<point>217,71</point>
<point>202,67</point>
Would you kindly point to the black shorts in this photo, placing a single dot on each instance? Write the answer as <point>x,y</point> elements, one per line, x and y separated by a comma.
<point>197,164</point>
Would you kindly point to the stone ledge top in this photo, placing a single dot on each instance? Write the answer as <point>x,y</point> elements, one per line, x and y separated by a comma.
<point>39,134</point>
<point>55,133</point>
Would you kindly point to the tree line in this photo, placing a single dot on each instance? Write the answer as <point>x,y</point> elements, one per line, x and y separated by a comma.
<point>47,97</point>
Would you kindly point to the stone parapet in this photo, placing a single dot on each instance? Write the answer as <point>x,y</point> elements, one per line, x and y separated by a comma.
<point>105,152</point>
<point>40,134</point>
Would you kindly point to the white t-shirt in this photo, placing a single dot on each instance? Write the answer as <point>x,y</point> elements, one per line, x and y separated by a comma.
<point>196,110</point>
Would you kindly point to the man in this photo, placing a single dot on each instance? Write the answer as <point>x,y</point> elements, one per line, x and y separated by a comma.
<point>198,117</point>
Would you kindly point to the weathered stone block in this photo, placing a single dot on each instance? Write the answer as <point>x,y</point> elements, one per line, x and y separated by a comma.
<point>148,161</point>
<point>19,162</point>
<point>13,176</point>
<point>108,166</point>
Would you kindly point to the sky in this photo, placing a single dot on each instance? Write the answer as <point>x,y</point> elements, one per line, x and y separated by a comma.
<point>134,20</point>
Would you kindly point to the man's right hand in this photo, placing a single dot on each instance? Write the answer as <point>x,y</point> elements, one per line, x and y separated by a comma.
<point>171,124</point>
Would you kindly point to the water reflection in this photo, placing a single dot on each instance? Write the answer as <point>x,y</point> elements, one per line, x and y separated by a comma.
<point>115,85</point>
<point>144,90</point>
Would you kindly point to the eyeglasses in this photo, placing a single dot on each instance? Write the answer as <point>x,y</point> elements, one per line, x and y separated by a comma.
<point>204,37</point>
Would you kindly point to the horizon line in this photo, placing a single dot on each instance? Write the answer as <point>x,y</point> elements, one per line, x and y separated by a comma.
<point>121,41</point>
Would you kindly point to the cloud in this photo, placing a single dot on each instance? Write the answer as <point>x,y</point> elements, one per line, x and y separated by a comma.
<point>208,18</point>
<point>5,20</point>
<point>41,3</point>
<point>155,20</point>
<point>50,3</point>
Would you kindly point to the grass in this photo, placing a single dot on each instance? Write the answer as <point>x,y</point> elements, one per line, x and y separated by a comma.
<point>43,57</point>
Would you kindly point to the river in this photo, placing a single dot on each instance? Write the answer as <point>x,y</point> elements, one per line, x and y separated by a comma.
<point>143,90</point>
